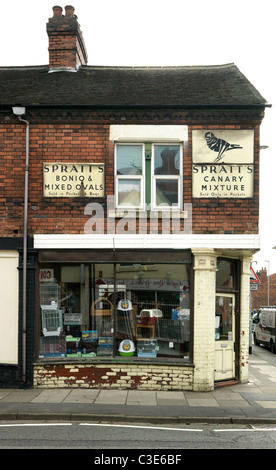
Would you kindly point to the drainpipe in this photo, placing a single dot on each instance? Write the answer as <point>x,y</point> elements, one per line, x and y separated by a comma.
<point>20,111</point>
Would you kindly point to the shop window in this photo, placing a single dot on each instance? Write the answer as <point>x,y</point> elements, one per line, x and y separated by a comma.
<point>123,311</point>
<point>148,174</point>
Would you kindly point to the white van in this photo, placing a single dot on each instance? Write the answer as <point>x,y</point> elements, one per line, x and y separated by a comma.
<point>265,328</point>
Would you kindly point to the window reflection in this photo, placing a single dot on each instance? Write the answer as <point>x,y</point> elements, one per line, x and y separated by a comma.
<point>166,159</point>
<point>129,159</point>
<point>166,192</point>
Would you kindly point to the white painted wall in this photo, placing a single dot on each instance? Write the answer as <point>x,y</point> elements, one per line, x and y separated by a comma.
<point>9,307</point>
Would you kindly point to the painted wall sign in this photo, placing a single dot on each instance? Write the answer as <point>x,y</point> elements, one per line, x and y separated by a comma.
<point>223,163</point>
<point>223,181</point>
<point>73,179</point>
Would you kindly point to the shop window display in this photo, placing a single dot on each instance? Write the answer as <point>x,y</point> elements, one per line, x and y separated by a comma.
<point>115,310</point>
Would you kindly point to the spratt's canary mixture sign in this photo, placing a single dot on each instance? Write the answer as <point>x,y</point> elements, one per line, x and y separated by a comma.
<point>73,179</point>
<point>223,163</point>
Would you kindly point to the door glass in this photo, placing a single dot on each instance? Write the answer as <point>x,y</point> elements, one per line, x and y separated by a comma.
<point>223,319</point>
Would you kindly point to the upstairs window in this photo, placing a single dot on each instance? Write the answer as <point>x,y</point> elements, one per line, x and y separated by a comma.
<point>147,173</point>
<point>130,175</point>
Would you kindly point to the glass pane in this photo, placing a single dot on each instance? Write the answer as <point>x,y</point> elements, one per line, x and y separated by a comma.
<point>102,310</point>
<point>64,310</point>
<point>166,159</point>
<point>153,311</point>
<point>129,193</point>
<point>166,192</point>
<point>223,321</point>
<point>129,159</point>
<point>76,311</point>
<point>226,273</point>
<point>146,314</point>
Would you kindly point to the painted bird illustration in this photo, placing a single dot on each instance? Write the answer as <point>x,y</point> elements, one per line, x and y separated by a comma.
<point>219,145</point>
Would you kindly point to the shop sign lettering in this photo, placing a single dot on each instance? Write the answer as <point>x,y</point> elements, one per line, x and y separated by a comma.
<point>223,181</point>
<point>73,180</point>
<point>146,284</point>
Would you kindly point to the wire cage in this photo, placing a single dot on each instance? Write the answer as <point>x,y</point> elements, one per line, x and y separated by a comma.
<point>52,346</point>
<point>51,315</point>
<point>50,295</point>
<point>51,322</point>
<point>173,330</point>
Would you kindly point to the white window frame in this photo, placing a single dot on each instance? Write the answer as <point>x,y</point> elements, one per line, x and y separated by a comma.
<point>178,178</point>
<point>154,177</point>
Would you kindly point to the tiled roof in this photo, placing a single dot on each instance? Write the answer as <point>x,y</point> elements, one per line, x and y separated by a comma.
<point>219,85</point>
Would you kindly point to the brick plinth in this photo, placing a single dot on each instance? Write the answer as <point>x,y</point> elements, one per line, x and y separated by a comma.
<point>111,376</point>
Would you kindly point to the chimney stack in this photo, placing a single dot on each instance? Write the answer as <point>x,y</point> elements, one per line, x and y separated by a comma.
<point>67,50</point>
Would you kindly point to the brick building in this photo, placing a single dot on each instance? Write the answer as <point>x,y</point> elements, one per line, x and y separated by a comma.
<point>129,217</point>
<point>266,291</point>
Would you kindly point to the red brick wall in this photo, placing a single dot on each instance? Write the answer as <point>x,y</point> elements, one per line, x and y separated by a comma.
<point>259,298</point>
<point>88,141</point>
<point>66,43</point>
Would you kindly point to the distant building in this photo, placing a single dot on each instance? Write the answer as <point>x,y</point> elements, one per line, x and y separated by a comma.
<point>260,296</point>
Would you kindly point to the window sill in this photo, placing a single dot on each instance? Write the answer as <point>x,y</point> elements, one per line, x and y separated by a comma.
<point>115,360</point>
<point>140,213</point>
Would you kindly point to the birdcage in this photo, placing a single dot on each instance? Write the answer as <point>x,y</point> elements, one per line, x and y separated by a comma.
<point>50,295</point>
<point>51,314</point>
<point>51,321</point>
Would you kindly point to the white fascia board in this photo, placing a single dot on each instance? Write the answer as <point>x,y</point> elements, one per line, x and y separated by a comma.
<point>185,241</point>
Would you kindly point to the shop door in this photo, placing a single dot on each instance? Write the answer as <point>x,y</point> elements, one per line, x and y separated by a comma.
<point>225,337</point>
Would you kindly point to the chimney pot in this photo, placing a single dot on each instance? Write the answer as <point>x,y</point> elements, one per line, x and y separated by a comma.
<point>57,11</point>
<point>69,10</point>
<point>66,44</point>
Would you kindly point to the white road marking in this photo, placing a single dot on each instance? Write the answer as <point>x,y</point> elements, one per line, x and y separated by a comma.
<point>34,424</point>
<point>142,427</point>
<point>245,430</point>
<point>160,428</point>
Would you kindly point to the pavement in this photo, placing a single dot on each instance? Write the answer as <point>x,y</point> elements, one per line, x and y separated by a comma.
<point>250,403</point>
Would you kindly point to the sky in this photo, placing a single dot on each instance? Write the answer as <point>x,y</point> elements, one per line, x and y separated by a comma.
<point>168,33</point>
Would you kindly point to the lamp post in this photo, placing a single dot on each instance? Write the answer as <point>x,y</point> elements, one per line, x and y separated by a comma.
<point>267,261</point>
